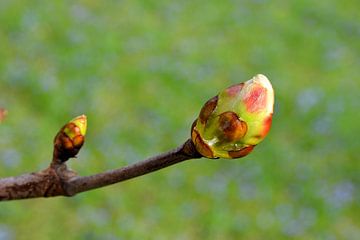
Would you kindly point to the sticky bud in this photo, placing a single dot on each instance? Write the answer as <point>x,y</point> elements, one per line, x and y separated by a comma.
<point>232,123</point>
<point>70,138</point>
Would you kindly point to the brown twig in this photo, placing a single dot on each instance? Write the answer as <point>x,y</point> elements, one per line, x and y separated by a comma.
<point>58,180</point>
<point>254,98</point>
<point>80,184</point>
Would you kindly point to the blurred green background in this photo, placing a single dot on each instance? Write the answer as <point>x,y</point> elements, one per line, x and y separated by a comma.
<point>141,71</point>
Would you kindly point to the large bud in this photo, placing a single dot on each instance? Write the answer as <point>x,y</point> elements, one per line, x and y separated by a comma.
<point>232,123</point>
<point>69,140</point>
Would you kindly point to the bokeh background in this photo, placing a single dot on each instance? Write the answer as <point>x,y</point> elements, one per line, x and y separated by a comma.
<point>141,71</point>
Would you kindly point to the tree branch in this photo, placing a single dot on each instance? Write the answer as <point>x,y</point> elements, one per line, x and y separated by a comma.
<point>58,180</point>
<point>80,184</point>
<point>225,120</point>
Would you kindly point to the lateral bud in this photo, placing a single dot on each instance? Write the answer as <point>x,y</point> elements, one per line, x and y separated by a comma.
<point>70,138</point>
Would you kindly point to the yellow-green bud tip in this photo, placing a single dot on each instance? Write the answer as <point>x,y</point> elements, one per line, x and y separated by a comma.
<point>76,127</point>
<point>81,123</point>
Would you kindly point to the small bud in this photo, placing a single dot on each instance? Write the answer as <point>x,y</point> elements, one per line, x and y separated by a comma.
<point>3,114</point>
<point>232,123</point>
<point>70,139</point>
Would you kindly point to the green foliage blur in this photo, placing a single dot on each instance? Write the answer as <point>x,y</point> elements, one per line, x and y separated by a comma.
<point>140,71</point>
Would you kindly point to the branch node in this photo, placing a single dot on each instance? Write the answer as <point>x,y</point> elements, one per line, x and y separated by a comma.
<point>189,149</point>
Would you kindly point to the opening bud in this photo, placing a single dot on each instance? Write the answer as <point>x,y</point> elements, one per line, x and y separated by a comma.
<point>70,138</point>
<point>232,123</point>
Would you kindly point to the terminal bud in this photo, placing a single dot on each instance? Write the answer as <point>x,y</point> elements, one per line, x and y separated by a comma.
<point>232,123</point>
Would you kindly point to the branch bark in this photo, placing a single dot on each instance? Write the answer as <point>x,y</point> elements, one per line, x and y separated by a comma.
<point>58,180</point>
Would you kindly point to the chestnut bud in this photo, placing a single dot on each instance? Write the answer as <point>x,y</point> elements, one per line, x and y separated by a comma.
<point>232,123</point>
<point>70,138</point>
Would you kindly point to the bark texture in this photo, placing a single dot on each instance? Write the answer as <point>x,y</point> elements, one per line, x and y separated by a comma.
<point>58,180</point>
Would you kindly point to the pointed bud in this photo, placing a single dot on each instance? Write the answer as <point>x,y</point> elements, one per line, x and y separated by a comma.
<point>70,139</point>
<point>232,123</point>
